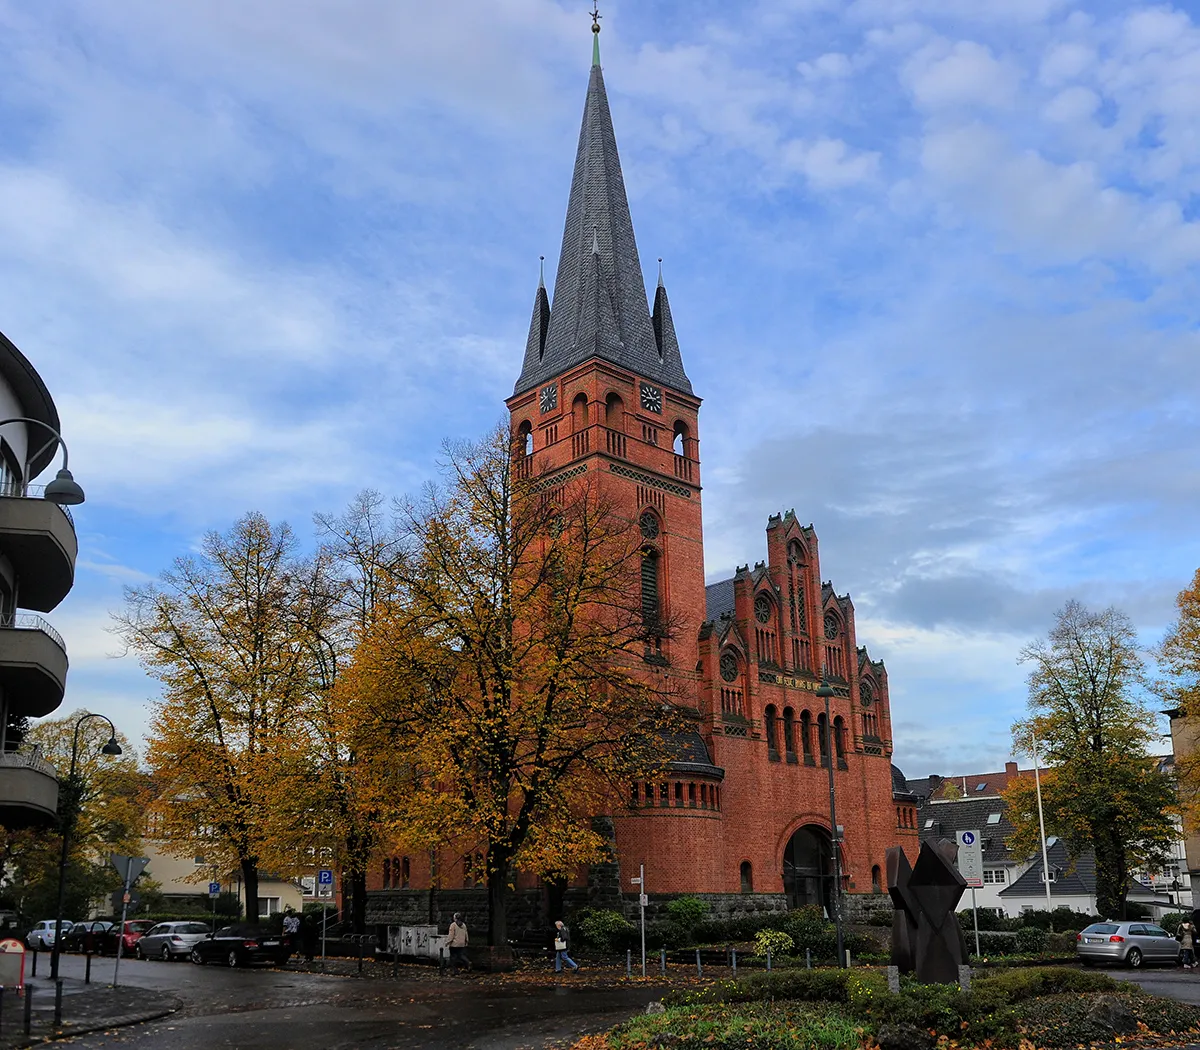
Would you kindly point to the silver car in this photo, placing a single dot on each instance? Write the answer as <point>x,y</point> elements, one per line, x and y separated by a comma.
<point>1135,943</point>
<point>42,935</point>
<point>170,940</point>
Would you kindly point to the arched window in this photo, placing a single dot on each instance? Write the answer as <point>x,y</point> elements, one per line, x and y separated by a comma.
<point>764,628</point>
<point>387,873</point>
<point>650,600</point>
<point>614,412</point>
<point>798,604</point>
<point>747,873</point>
<point>772,732</point>
<point>704,796</point>
<point>525,438</point>
<point>579,412</point>
<point>839,741</point>
<point>691,796</point>
<point>823,738</point>
<point>682,434</point>
<point>789,733</point>
<point>404,873</point>
<point>731,687</point>
<point>806,737</point>
<point>876,881</point>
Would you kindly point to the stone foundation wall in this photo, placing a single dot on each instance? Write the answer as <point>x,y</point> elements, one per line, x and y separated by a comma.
<point>720,905</point>
<point>526,909</point>
<point>862,907</point>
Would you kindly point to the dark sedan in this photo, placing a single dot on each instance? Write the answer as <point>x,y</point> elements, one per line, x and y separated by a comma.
<point>241,946</point>
<point>88,937</point>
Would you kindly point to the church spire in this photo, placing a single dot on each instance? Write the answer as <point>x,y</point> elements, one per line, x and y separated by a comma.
<point>664,328</point>
<point>599,308</point>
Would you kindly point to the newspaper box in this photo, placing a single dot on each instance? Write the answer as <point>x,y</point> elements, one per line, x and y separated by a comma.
<point>12,963</point>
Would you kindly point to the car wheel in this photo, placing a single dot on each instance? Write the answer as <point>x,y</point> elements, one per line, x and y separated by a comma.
<point>196,957</point>
<point>165,953</point>
<point>139,953</point>
<point>1134,958</point>
<point>1088,962</point>
<point>233,959</point>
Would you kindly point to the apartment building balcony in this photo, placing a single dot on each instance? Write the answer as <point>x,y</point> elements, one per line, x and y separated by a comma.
<point>38,537</point>
<point>28,792</point>
<point>33,665</point>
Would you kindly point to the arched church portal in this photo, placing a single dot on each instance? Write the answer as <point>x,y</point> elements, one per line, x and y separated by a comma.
<point>808,868</point>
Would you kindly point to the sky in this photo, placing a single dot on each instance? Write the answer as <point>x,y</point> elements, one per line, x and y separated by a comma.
<point>932,263</point>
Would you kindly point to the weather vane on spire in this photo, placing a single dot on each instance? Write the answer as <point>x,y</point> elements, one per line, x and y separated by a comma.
<point>596,16</point>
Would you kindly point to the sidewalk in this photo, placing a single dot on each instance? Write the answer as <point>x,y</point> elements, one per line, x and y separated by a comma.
<point>85,1008</point>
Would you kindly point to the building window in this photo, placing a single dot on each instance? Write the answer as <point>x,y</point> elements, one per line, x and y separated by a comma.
<point>268,906</point>
<point>633,798</point>
<point>704,796</point>
<point>876,882</point>
<point>993,818</point>
<point>789,733</point>
<point>994,876</point>
<point>692,795</point>
<point>772,733</point>
<point>678,793</point>
<point>650,606</point>
<point>664,795</point>
<point>747,875</point>
<point>387,874</point>
<point>764,633</point>
<point>404,873</point>
<point>806,736</point>
<point>839,741</point>
<point>823,738</point>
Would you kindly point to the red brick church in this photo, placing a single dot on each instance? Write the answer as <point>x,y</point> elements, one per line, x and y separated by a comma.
<point>603,390</point>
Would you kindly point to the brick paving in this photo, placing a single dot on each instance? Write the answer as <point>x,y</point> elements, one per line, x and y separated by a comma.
<point>85,1008</point>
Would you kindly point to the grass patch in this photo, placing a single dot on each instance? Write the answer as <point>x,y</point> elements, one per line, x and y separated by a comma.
<point>747,1026</point>
<point>1060,1021</point>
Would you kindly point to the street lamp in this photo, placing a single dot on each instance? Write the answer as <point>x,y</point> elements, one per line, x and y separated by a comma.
<point>825,691</point>
<point>64,489</point>
<point>68,825</point>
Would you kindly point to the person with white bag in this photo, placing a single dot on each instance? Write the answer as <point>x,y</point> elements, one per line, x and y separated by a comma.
<point>562,946</point>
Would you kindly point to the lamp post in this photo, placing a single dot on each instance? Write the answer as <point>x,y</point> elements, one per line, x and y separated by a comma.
<point>68,825</point>
<point>825,691</point>
<point>63,490</point>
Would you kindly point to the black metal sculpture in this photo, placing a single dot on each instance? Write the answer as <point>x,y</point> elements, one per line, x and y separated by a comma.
<point>926,936</point>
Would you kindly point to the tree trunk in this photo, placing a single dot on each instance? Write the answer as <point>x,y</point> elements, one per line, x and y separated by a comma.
<point>250,888</point>
<point>357,883</point>
<point>1111,882</point>
<point>497,899</point>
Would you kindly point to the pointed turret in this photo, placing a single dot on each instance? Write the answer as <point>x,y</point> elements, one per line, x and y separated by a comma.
<point>600,307</point>
<point>539,325</point>
<point>664,330</point>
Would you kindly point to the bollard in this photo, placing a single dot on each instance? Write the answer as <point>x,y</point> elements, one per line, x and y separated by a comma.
<point>808,958</point>
<point>33,970</point>
<point>734,956</point>
<point>360,953</point>
<point>768,958</point>
<point>442,961</point>
<point>699,968</point>
<point>58,1002</point>
<point>395,964</point>
<point>662,964</point>
<point>628,962</point>
<point>893,974</point>
<point>87,969</point>
<point>28,1008</point>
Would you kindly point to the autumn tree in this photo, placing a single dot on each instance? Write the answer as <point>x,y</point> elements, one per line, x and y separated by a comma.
<point>105,798</point>
<point>1179,687</point>
<point>1101,791</point>
<point>227,634</point>
<point>503,694</point>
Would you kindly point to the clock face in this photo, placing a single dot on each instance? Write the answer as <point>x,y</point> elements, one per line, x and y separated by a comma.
<point>549,397</point>
<point>651,398</point>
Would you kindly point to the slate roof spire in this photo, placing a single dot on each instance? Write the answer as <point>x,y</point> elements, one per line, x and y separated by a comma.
<point>600,307</point>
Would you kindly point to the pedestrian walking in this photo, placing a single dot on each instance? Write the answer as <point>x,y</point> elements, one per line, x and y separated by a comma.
<point>1186,936</point>
<point>457,942</point>
<point>291,928</point>
<point>562,947</point>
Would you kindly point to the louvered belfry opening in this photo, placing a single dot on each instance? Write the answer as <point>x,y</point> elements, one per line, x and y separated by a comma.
<point>650,606</point>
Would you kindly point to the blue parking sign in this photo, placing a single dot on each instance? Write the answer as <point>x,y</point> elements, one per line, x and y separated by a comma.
<point>325,877</point>
<point>214,889</point>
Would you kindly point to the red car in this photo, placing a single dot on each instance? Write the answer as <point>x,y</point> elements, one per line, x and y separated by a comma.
<point>134,928</point>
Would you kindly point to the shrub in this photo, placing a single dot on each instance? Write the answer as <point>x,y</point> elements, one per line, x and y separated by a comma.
<point>742,928</point>
<point>774,941</point>
<point>1136,911</point>
<point>988,921</point>
<point>1031,939</point>
<point>687,912</point>
<point>811,931</point>
<point>1063,942</point>
<point>1172,921</point>
<point>1060,919</point>
<point>1015,985</point>
<point>993,943</point>
<point>605,929</point>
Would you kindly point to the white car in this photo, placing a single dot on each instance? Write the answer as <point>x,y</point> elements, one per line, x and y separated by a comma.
<point>171,940</point>
<point>41,936</point>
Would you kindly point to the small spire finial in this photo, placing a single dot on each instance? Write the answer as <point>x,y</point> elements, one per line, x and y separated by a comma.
<point>596,16</point>
<point>660,280</point>
<point>541,271</point>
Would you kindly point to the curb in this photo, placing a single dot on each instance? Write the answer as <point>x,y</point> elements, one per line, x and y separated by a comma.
<point>91,1027</point>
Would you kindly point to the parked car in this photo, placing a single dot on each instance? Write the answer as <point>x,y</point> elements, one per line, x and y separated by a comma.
<point>86,937</point>
<point>240,946</point>
<point>1134,943</point>
<point>41,936</point>
<point>171,940</point>
<point>130,935</point>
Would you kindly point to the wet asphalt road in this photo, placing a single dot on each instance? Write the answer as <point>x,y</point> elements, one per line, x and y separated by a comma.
<point>261,1008</point>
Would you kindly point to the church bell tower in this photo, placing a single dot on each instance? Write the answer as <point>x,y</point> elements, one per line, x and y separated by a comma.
<point>602,387</point>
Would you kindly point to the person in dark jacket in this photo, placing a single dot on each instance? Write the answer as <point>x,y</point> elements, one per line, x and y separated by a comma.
<point>309,936</point>
<point>562,947</point>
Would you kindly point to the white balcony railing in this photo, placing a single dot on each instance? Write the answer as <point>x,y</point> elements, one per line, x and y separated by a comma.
<point>32,622</point>
<point>16,490</point>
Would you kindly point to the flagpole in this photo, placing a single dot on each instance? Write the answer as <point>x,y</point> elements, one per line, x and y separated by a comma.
<point>1037,779</point>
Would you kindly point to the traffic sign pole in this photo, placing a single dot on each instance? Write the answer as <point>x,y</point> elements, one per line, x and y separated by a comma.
<point>324,878</point>
<point>970,867</point>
